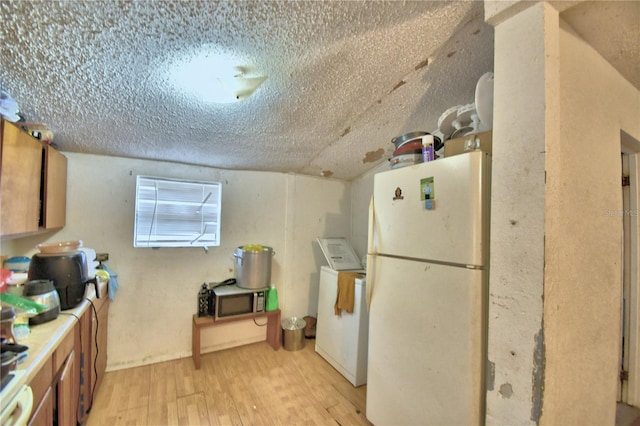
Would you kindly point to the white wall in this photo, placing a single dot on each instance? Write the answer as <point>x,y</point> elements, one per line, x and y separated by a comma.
<point>554,326</point>
<point>361,192</point>
<point>583,242</point>
<point>150,319</point>
<point>321,208</point>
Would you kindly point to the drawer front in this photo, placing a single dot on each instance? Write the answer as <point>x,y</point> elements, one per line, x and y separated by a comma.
<point>64,349</point>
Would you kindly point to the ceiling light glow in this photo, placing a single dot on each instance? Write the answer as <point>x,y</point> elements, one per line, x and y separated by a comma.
<point>215,79</point>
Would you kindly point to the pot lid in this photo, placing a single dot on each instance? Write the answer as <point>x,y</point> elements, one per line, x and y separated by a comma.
<point>293,323</point>
<point>401,140</point>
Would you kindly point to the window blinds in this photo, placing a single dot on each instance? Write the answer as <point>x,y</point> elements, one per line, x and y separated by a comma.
<point>176,213</point>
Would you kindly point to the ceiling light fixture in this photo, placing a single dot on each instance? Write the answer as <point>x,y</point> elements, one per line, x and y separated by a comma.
<point>215,79</point>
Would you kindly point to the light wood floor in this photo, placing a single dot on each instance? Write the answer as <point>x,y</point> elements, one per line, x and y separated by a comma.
<point>247,385</point>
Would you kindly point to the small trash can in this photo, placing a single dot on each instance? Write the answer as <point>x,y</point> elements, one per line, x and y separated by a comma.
<point>293,333</point>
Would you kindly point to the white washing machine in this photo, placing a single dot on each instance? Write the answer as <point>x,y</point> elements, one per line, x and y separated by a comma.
<point>343,340</point>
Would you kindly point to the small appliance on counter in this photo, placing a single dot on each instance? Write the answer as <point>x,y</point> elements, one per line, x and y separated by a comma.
<point>44,293</point>
<point>67,270</point>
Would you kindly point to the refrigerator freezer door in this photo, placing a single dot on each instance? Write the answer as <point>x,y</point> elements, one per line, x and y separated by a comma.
<point>454,230</point>
<point>426,344</point>
<point>343,340</point>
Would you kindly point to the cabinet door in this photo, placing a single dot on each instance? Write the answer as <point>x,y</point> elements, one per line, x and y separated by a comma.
<point>19,181</point>
<point>55,190</point>
<point>42,399</point>
<point>67,396</point>
<point>43,414</point>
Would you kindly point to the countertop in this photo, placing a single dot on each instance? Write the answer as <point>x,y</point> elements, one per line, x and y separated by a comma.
<point>45,338</point>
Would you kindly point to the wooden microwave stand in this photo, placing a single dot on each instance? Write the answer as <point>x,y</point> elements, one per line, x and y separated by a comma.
<point>273,330</point>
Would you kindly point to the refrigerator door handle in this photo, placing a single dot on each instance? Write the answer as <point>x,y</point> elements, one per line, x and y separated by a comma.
<point>371,253</point>
<point>371,258</point>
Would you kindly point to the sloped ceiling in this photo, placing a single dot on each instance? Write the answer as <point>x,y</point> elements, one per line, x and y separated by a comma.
<point>344,77</point>
<point>612,28</point>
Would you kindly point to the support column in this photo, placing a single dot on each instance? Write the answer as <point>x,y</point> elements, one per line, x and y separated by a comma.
<point>523,122</point>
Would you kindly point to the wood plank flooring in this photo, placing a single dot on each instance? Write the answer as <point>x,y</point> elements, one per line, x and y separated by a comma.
<point>247,385</point>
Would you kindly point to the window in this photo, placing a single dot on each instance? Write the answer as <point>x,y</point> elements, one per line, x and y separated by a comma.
<point>176,213</point>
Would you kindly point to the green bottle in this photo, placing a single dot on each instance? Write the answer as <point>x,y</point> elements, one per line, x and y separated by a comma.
<point>272,299</point>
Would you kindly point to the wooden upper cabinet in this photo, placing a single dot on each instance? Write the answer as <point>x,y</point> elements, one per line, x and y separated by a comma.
<point>19,181</point>
<point>54,207</point>
<point>33,184</point>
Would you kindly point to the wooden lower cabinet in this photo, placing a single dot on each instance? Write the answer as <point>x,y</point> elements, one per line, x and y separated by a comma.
<point>42,415</point>
<point>56,386</point>
<point>67,392</point>
<point>64,387</point>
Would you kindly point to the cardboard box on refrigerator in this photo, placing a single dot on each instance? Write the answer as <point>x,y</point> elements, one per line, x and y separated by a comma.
<point>481,141</point>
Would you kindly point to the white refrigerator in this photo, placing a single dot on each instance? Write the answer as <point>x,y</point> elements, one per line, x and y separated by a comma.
<point>427,289</point>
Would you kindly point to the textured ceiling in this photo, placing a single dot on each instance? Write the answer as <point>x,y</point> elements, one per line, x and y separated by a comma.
<point>344,77</point>
<point>612,28</point>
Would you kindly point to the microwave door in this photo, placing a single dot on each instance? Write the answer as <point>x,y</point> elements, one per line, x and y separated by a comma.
<point>235,305</point>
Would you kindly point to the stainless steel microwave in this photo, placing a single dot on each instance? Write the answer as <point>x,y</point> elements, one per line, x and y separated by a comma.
<point>234,301</point>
